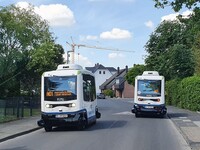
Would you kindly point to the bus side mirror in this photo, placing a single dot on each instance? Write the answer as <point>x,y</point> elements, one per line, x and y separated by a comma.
<point>98,114</point>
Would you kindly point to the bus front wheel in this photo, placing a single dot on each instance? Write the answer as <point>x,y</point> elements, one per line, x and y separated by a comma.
<point>48,128</point>
<point>82,122</point>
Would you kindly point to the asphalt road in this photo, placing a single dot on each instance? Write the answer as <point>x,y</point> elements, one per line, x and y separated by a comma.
<point>117,129</point>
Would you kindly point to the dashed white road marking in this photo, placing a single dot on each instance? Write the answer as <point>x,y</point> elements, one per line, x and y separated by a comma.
<point>124,113</point>
<point>183,117</point>
<point>187,120</point>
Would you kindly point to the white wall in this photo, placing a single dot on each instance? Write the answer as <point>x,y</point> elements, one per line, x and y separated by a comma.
<point>101,75</point>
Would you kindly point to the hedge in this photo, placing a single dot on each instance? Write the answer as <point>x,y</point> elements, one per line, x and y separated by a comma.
<point>184,93</point>
<point>171,92</point>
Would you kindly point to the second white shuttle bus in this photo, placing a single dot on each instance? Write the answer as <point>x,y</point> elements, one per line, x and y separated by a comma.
<point>149,94</point>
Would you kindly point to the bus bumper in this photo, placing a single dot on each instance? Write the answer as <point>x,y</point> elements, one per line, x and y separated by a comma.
<point>62,119</point>
<point>149,109</point>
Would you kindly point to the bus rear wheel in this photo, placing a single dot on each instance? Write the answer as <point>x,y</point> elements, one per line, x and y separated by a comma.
<point>137,114</point>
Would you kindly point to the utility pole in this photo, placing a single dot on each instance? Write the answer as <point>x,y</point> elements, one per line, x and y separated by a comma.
<point>72,51</point>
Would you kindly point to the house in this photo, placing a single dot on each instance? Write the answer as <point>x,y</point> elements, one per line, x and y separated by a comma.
<point>101,74</point>
<point>118,84</point>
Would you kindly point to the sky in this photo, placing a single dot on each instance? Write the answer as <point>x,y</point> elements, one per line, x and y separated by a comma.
<point>106,28</point>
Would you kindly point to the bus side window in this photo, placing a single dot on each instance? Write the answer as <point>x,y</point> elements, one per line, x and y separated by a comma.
<point>89,91</point>
<point>86,92</point>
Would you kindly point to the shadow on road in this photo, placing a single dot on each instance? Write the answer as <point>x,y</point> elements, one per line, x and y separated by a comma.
<point>108,124</point>
<point>100,125</point>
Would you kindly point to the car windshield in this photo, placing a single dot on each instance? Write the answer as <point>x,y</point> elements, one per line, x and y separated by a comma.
<point>58,88</point>
<point>149,88</point>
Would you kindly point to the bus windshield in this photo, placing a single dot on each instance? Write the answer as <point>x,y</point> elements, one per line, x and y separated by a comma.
<point>60,88</point>
<point>149,88</point>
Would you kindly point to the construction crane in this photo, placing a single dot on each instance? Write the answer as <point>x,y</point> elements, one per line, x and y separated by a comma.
<point>88,46</point>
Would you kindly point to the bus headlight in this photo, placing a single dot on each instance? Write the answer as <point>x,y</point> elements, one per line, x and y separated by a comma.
<point>72,105</point>
<point>49,106</point>
<point>140,99</point>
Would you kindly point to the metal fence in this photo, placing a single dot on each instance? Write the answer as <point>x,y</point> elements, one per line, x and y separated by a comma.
<point>19,107</point>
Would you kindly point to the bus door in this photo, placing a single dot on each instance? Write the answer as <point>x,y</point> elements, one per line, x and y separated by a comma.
<point>89,95</point>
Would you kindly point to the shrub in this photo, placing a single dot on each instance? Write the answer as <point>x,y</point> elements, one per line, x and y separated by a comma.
<point>108,93</point>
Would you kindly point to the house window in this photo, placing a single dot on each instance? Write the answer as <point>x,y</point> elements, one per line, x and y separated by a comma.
<point>117,81</point>
<point>99,72</point>
<point>104,72</point>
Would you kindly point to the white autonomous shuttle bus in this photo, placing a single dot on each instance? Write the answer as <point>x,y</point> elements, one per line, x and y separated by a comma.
<point>149,94</point>
<point>68,97</point>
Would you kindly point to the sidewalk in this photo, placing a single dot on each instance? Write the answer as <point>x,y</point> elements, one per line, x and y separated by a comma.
<point>19,127</point>
<point>188,124</point>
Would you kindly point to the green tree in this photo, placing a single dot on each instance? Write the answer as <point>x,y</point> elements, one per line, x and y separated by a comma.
<point>176,4</point>
<point>167,34</point>
<point>192,36</point>
<point>22,33</point>
<point>133,72</point>
<point>181,62</point>
<point>46,57</point>
<point>196,51</point>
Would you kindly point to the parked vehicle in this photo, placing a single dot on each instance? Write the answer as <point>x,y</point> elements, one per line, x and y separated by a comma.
<point>149,94</point>
<point>101,96</point>
<point>68,97</point>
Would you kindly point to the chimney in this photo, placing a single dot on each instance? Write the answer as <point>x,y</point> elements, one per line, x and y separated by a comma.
<point>117,70</point>
<point>126,68</point>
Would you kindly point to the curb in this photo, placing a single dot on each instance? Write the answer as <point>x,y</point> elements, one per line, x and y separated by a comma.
<point>19,134</point>
<point>180,131</point>
<point>192,145</point>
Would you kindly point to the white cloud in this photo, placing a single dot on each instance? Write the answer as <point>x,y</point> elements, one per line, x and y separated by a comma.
<point>55,14</point>
<point>112,0</point>
<point>172,17</point>
<point>116,33</point>
<point>186,14</point>
<point>83,61</point>
<point>129,0</point>
<point>23,5</point>
<point>115,55</point>
<point>95,0</point>
<point>88,37</point>
<point>149,24</point>
<point>79,59</point>
<point>91,37</point>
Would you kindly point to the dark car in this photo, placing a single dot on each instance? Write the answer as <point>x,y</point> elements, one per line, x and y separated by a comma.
<point>101,96</point>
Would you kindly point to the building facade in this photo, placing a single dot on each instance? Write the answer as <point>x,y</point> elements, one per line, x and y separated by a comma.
<point>118,84</point>
<point>101,74</point>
